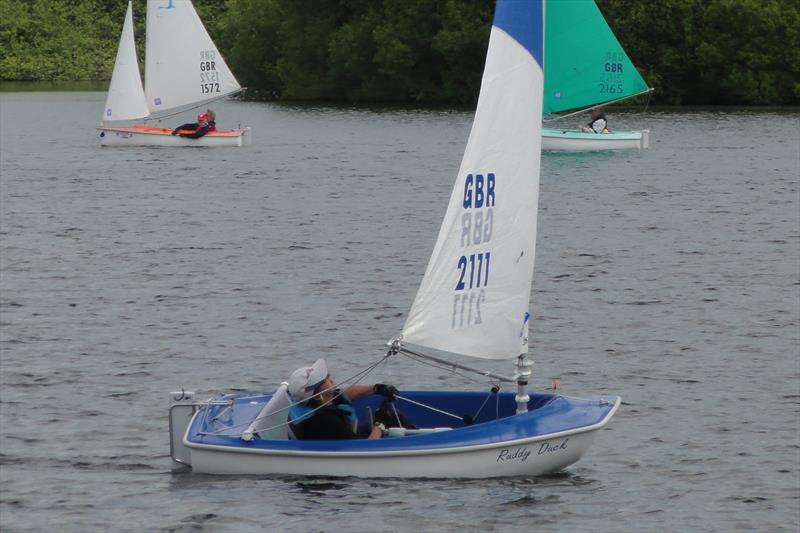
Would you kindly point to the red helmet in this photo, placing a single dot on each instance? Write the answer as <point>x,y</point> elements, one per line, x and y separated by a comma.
<point>202,117</point>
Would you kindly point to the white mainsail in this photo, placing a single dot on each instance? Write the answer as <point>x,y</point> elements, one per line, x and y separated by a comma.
<point>183,66</point>
<point>126,100</point>
<point>475,295</point>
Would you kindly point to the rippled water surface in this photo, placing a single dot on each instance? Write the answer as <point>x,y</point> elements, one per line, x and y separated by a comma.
<point>670,277</point>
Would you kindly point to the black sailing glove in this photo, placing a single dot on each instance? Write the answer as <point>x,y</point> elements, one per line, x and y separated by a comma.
<point>388,391</point>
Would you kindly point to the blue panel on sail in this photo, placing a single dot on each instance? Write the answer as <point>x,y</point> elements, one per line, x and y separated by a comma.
<point>522,20</point>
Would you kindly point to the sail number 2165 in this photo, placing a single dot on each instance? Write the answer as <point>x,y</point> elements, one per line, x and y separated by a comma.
<point>473,271</point>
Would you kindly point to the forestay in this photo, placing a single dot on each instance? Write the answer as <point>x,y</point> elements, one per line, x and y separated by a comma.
<point>475,294</point>
<point>183,66</point>
<point>126,100</point>
<point>584,63</point>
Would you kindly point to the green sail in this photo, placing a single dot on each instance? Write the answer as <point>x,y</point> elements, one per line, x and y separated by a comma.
<point>584,63</point>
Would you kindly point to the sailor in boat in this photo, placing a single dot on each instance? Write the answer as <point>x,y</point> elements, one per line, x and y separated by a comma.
<point>324,412</point>
<point>598,124</point>
<point>206,122</point>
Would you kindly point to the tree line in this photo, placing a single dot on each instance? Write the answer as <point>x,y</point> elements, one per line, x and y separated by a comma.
<point>695,52</point>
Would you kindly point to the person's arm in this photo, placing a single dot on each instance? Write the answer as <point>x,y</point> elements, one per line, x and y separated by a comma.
<point>197,134</point>
<point>354,392</point>
<point>377,431</point>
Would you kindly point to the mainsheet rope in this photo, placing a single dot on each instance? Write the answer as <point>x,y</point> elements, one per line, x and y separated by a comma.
<point>441,366</point>
<point>354,379</point>
<point>190,107</point>
<point>554,118</point>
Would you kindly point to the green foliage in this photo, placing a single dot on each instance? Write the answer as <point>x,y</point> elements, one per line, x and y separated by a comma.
<point>69,40</point>
<point>713,51</point>
<point>52,40</point>
<point>691,51</point>
<point>463,39</point>
<point>386,50</point>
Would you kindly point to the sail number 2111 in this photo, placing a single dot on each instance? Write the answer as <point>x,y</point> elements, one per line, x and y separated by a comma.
<point>478,203</point>
<point>477,265</point>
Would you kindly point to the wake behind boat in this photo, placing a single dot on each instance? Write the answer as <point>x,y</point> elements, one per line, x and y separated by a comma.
<point>473,302</point>
<point>183,70</point>
<point>585,67</point>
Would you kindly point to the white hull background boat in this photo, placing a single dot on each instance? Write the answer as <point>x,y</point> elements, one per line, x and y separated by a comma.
<point>579,141</point>
<point>586,67</point>
<point>152,136</point>
<point>183,70</point>
<point>473,302</point>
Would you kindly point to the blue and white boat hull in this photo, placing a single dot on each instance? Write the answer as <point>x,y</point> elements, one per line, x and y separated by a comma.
<point>555,433</point>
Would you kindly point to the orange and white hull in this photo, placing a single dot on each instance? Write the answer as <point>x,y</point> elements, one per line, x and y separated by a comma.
<point>141,135</point>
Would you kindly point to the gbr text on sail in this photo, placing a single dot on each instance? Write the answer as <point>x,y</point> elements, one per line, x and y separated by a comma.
<point>473,265</point>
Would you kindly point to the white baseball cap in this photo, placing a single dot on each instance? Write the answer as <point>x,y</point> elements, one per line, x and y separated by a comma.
<point>304,380</point>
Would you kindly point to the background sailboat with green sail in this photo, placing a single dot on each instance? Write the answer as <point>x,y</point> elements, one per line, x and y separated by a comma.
<point>585,67</point>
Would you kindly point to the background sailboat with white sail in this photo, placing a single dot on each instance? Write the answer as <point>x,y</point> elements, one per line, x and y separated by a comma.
<point>473,302</point>
<point>585,66</point>
<point>183,70</point>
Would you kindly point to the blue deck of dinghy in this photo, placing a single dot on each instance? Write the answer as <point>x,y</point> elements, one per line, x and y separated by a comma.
<point>547,414</point>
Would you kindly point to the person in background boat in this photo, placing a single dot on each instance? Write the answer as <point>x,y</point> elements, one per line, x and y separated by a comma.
<point>598,124</point>
<point>322,411</point>
<point>205,122</point>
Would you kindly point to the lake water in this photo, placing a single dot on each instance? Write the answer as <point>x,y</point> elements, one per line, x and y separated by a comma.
<point>670,277</point>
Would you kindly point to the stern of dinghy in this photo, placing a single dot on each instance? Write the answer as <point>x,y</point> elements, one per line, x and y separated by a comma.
<point>247,136</point>
<point>181,412</point>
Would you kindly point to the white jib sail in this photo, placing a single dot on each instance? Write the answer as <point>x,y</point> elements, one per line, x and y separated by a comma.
<point>183,66</point>
<point>126,99</point>
<point>475,295</point>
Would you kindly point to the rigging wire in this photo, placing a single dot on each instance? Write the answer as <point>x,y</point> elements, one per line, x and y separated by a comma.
<point>159,118</point>
<point>429,407</point>
<point>649,97</point>
<point>649,92</point>
<point>440,366</point>
<point>495,390</point>
<point>354,379</point>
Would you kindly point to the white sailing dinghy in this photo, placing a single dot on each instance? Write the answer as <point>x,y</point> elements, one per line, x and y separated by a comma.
<point>585,67</point>
<point>473,302</point>
<point>183,70</point>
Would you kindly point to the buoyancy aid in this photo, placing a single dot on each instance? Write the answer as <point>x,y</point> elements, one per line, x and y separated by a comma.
<point>300,413</point>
